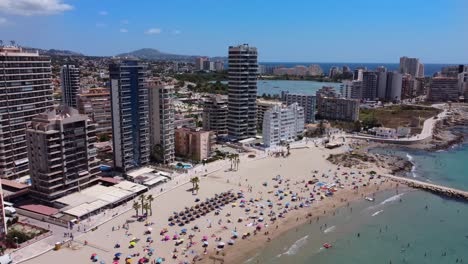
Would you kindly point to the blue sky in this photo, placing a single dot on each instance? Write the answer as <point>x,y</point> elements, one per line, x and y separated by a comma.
<point>297,30</point>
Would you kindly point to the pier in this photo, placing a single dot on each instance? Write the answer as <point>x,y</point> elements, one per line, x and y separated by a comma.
<point>434,188</point>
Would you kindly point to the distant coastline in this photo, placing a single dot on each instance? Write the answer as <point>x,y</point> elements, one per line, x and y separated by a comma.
<point>429,68</point>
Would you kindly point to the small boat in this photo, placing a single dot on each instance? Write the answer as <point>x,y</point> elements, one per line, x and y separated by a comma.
<point>327,245</point>
<point>370,199</point>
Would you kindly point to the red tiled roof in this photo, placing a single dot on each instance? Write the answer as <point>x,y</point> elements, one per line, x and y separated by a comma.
<point>40,209</point>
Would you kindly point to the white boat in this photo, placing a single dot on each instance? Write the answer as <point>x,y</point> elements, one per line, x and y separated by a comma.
<point>370,199</point>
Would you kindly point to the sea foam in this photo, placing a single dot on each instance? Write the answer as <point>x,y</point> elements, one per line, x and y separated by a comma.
<point>330,229</point>
<point>294,248</point>
<point>377,213</point>
<point>392,199</point>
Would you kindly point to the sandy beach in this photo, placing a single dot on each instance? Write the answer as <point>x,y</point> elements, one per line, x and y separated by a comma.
<point>267,207</point>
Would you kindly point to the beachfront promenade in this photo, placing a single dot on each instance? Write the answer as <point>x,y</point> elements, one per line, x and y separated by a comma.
<point>426,133</point>
<point>434,188</point>
<point>40,247</point>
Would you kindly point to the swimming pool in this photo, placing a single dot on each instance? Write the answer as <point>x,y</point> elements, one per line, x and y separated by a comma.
<point>184,166</point>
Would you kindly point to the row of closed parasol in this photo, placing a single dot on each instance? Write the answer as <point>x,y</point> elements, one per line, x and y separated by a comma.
<point>190,214</point>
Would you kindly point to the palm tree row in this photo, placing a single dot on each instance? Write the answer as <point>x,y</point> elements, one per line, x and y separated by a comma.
<point>235,160</point>
<point>144,204</point>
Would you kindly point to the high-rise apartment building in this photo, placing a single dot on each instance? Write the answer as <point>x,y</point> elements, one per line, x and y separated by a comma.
<point>394,86</point>
<point>262,107</point>
<point>307,102</point>
<point>70,84</point>
<point>369,85</point>
<point>62,156</point>
<point>215,112</point>
<point>25,91</point>
<point>338,109</point>
<point>199,63</point>
<point>444,89</point>
<point>351,89</point>
<point>219,66</point>
<point>161,113</point>
<point>411,66</point>
<point>130,114</point>
<point>381,84</point>
<point>242,92</point>
<point>282,124</point>
<point>408,87</point>
<point>333,72</point>
<point>96,104</point>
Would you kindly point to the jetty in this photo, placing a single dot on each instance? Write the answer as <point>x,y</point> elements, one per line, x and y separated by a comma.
<point>433,188</point>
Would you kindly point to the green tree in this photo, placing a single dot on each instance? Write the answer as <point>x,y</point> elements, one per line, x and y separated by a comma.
<point>150,200</point>
<point>104,137</point>
<point>142,200</point>
<point>157,153</point>
<point>195,181</point>
<point>136,206</point>
<point>146,207</point>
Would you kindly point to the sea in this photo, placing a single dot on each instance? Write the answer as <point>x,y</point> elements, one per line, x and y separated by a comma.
<point>410,226</point>
<point>273,87</point>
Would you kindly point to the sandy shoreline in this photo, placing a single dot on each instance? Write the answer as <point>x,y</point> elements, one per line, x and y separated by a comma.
<point>242,252</point>
<point>255,180</point>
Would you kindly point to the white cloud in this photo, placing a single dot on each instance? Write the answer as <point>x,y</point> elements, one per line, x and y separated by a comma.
<point>33,7</point>
<point>153,31</point>
<point>3,21</point>
<point>123,30</point>
<point>176,32</point>
<point>125,22</point>
<point>103,13</point>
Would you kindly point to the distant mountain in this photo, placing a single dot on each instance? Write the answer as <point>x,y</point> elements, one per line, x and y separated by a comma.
<point>154,54</point>
<point>55,52</point>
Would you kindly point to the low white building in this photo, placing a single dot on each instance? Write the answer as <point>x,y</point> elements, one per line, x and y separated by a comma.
<point>282,123</point>
<point>384,132</point>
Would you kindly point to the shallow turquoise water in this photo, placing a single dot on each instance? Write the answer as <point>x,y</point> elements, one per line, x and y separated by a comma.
<point>390,230</point>
<point>300,87</point>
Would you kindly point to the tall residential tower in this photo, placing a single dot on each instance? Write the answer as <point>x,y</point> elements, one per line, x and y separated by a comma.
<point>130,114</point>
<point>70,83</point>
<point>242,92</point>
<point>25,91</point>
<point>62,156</point>
<point>162,121</point>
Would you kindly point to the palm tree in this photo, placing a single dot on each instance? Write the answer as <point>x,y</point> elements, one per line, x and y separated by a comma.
<point>194,181</point>
<point>142,199</point>
<point>150,199</point>
<point>146,207</point>
<point>136,206</point>
<point>231,158</point>
<point>237,161</point>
